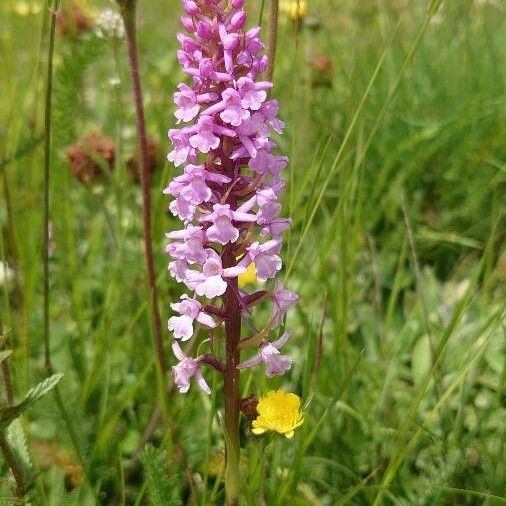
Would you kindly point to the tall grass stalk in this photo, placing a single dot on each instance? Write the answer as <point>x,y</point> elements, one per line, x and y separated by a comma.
<point>129,10</point>
<point>273,36</point>
<point>46,239</point>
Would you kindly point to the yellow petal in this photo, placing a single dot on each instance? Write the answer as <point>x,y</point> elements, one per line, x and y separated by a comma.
<point>278,411</point>
<point>249,277</point>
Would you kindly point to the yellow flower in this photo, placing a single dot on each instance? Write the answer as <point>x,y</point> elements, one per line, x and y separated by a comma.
<point>278,411</point>
<point>22,8</point>
<point>249,277</point>
<point>215,465</point>
<point>296,10</point>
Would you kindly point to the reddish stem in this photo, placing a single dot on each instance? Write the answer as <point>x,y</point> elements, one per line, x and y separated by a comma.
<point>213,362</point>
<point>130,31</point>
<point>213,310</point>
<point>232,393</point>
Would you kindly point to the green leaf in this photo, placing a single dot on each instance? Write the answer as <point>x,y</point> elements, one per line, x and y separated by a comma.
<point>421,360</point>
<point>10,413</point>
<point>163,490</point>
<point>38,391</point>
<point>17,442</point>
<point>434,6</point>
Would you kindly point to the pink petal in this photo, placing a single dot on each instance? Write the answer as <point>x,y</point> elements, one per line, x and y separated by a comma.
<point>206,320</point>
<point>201,382</point>
<point>211,287</point>
<point>279,343</point>
<point>233,272</point>
<point>251,362</point>
<point>178,352</point>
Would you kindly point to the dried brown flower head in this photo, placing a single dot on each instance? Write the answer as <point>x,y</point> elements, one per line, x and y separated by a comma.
<point>73,20</point>
<point>51,455</point>
<point>322,70</point>
<point>249,405</point>
<point>91,157</point>
<point>133,163</point>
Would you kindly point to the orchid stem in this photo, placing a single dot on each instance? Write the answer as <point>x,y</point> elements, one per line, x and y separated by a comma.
<point>129,15</point>
<point>232,393</point>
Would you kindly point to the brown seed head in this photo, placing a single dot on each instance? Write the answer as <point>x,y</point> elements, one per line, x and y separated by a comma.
<point>133,163</point>
<point>249,405</point>
<point>73,20</point>
<point>91,157</point>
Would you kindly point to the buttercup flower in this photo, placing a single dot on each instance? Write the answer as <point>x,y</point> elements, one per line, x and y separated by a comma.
<point>278,411</point>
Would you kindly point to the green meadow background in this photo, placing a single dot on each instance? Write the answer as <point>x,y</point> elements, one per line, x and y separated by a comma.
<point>396,133</point>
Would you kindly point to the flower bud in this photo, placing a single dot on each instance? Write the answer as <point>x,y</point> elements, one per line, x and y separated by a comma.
<point>190,7</point>
<point>187,23</point>
<point>238,21</point>
<point>204,30</point>
<point>187,43</point>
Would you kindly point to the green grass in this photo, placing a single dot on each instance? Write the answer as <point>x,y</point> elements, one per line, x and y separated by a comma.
<point>397,194</point>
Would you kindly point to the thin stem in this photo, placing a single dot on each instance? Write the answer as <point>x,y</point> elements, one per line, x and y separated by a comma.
<point>273,37</point>
<point>232,393</point>
<point>213,362</point>
<point>18,295</point>
<point>425,312</point>
<point>47,164</point>
<point>9,457</point>
<point>11,461</point>
<point>260,17</point>
<point>6,373</point>
<point>128,13</point>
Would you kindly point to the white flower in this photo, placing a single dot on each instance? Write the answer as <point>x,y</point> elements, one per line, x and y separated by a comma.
<point>110,25</point>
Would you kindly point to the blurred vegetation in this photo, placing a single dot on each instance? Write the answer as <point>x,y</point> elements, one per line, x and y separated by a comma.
<point>395,128</point>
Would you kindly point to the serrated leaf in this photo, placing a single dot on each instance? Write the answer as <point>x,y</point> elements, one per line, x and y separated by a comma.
<point>41,389</point>
<point>10,413</point>
<point>163,490</point>
<point>17,442</point>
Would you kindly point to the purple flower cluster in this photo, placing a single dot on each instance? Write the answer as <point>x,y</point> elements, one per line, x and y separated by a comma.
<point>227,196</point>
